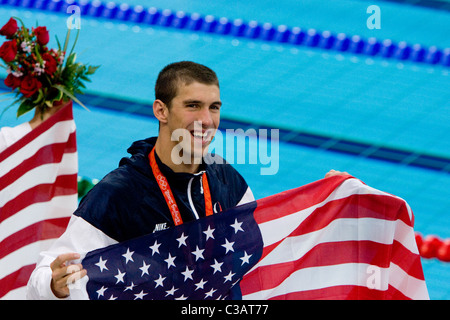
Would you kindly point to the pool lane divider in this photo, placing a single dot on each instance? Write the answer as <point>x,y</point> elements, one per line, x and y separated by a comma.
<point>239,28</point>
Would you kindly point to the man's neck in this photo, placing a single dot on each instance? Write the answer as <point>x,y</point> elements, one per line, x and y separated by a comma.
<point>164,152</point>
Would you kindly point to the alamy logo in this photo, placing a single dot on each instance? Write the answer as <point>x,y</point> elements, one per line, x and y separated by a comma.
<point>374,20</point>
<point>74,21</point>
<point>236,146</point>
<point>374,277</point>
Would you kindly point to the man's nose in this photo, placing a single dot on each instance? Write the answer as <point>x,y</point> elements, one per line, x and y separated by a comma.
<point>205,117</point>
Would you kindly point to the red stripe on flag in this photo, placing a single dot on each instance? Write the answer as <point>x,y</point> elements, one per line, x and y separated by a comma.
<point>42,230</point>
<point>63,185</point>
<point>292,201</point>
<point>62,115</point>
<point>323,254</point>
<point>52,153</point>
<point>354,207</point>
<point>16,279</point>
<point>344,293</point>
<point>407,261</point>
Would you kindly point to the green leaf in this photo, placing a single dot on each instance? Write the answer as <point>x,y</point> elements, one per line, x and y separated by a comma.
<point>71,96</point>
<point>24,107</point>
<point>38,55</point>
<point>39,98</point>
<point>71,59</point>
<point>66,41</point>
<point>75,42</point>
<point>59,43</point>
<point>92,69</point>
<point>20,20</point>
<point>83,77</point>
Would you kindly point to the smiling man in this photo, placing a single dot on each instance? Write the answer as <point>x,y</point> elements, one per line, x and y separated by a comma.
<point>152,190</point>
<point>188,109</point>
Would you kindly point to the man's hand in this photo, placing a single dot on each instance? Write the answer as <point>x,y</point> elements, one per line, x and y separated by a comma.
<point>334,173</point>
<point>40,117</point>
<point>64,274</point>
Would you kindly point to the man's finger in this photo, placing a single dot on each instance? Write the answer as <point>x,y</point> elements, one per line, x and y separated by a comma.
<point>63,258</point>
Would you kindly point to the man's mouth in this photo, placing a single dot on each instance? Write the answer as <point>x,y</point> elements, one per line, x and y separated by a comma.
<point>204,136</point>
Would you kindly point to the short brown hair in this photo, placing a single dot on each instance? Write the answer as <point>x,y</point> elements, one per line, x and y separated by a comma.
<point>184,72</point>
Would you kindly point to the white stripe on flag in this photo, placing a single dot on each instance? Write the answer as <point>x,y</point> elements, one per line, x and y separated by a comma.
<point>285,225</point>
<point>24,256</point>
<point>44,174</point>
<point>58,133</point>
<point>412,287</point>
<point>325,276</point>
<point>55,208</point>
<point>337,231</point>
<point>16,294</point>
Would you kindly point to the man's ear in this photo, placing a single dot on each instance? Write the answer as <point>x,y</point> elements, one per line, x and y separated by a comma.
<point>160,110</point>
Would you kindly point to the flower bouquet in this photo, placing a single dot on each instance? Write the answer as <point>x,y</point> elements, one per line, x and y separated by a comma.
<point>40,77</point>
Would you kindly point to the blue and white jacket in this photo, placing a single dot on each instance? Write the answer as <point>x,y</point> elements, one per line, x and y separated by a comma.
<point>128,203</point>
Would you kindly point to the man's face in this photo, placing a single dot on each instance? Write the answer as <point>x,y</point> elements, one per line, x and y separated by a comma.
<point>196,110</point>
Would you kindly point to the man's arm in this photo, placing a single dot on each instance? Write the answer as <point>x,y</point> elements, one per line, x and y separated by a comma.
<point>60,265</point>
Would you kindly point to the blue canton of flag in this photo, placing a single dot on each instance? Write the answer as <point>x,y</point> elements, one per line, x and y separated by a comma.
<point>204,259</point>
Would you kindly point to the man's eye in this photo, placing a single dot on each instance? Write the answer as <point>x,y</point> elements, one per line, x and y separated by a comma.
<point>193,105</point>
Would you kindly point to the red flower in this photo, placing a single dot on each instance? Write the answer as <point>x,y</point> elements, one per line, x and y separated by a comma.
<point>9,29</point>
<point>8,50</point>
<point>50,63</point>
<point>29,85</point>
<point>41,35</point>
<point>13,81</point>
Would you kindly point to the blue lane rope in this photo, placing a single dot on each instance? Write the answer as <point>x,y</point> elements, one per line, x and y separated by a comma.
<point>251,30</point>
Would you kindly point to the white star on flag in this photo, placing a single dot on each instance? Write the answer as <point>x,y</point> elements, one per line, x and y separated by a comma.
<point>217,266</point>
<point>140,295</point>
<point>187,274</point>
<point>128,256</point>
<point>170,261</point>
<point>171,292</point>
<point>229,276</point>
<point>200,284</point>
<point>245,258</point>
<point>130,287</point>
<point>101,291</point>
<point>101,264</point>
<point>159,281</point>
<point>228,246</point>
<point>210,293</point>
<point>237,226</point>
<point>155,247</point>
<point>119,276</point>
<point>198,253</point>
<point>145,267</point>
<point>209,233</point>
<point>182,240</point>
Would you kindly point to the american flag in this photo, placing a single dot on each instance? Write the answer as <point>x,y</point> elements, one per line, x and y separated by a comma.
<point>336,238</point>
<point>38,193</point>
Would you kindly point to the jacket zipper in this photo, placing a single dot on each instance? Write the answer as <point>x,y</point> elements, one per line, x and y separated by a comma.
<point>189,192</point>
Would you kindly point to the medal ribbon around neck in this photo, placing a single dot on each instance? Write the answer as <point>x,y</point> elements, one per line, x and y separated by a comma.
<point>168,195</point>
